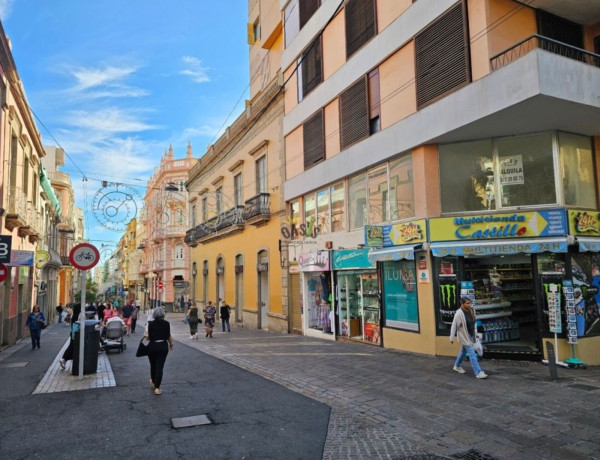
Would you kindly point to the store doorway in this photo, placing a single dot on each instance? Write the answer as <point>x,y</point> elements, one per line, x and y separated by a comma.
<point>263,289</point>
<point>358,309</point>
<point>239,286</point>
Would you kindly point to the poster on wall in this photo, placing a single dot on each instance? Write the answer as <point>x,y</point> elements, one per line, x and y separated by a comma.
<point>511,170</point>
<point>586,292</point>
<point>400,295</point>
<point>448,295</point>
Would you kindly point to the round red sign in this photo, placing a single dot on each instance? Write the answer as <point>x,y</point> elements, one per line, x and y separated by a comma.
<point>3,272</point>
<point>84,256</point>
<point>160,285</point>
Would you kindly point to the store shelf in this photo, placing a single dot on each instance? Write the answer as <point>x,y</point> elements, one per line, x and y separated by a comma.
<point>490,306</point>
<point>524,288</point>
<point>500,314</point>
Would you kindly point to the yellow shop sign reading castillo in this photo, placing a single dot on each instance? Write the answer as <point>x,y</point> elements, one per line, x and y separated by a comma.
<point>499,226</point>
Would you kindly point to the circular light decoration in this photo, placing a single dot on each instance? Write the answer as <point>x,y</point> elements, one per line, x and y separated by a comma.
<point>115,205</point>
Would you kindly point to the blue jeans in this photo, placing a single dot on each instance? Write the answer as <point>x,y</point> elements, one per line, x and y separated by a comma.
<point>35,337</point>
<point>225,322</point>
<point>468,350</point>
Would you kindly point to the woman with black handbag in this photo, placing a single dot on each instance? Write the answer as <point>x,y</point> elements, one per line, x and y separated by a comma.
<point>159,336</point>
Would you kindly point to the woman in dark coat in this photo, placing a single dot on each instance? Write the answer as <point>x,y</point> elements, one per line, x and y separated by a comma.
<point>34,322</point>
<point>192,315</point>
<point>159,335</point>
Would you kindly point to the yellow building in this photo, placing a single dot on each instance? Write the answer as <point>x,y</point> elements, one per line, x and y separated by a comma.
<point>235,202</point>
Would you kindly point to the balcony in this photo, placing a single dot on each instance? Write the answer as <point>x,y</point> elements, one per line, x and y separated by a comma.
<point>257,209</point>
<point>158,265</point>
<point>535,41</point>
<point>225,224</point>
<point>16,214</point>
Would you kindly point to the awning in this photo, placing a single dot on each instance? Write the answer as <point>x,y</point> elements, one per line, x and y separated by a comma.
<point>406,251</point>
<point>45,183</point>
<point>55,260</point>
<point>588,244</point>
<point>499,247</point>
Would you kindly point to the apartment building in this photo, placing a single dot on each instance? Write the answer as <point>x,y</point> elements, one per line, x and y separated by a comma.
<point>439,148</point>
<point>235,201</point>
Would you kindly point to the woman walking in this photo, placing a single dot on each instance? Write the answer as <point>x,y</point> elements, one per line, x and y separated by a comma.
<point>192,316</point>
<point>34,322</point>
<point>463,328</point>
<point>159,335</point>
<point>209,318</point>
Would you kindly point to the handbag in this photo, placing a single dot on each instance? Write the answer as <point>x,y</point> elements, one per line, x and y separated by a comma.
<point>478,347</point>
<point>142,349</point>
<point>186,320</point>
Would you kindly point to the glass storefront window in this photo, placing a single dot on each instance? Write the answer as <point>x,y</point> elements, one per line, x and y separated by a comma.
<point>357,201</point>
<point>320,314</point>
<point>526,170</point>
<point>467,170</point>
<point>337,208</point>
<point>402,199</point>
<point>310,209</point>
<point>323,211</point>
<point>378,195</point>
<point>577,170</point>
<point>358,308</point>
<point>586,291</point>
<point>400,295</point>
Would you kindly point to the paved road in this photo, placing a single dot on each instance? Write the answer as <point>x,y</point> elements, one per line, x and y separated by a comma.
<point>383,404</point>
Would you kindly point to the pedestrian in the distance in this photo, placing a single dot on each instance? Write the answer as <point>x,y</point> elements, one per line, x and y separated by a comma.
<point>135,316</point>
<point>159,335</point>
<point>209,318</point>
<point>59,310</point>
<point>193,320</point>
<point>35,322</point>
<point>225,313</point>
<point>463,328</point>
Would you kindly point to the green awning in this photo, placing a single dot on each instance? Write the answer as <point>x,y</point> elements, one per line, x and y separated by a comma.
<point>45,183</point>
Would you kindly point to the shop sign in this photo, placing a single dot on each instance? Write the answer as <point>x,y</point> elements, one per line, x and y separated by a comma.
<point>21,259</point>
<point>351,258</point>
<point>511,170</point>
<point>179,284</point>
<point>382,236</point>
<point>5,248</point>
<point>491,248</point>
<point>499,226</point>
<point>314,261</point>
<point>41,259</point>
<point>584,223</point>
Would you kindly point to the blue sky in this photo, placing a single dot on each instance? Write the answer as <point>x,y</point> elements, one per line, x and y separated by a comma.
<point>115,82</point>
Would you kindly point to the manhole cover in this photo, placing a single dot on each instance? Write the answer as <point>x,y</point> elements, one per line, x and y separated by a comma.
<point>194,420</point>
<point>473,454</point>
<point>13,365</point>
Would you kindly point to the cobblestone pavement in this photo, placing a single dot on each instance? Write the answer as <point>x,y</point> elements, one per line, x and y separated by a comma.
<point>394,405</point>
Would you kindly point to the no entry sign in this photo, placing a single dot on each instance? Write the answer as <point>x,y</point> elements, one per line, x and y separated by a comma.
<point>3,272</point>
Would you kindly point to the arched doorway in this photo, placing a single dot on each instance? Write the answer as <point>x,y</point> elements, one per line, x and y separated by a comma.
<point>239,286</point>
<point>220,293</point>
<point>263,289</point>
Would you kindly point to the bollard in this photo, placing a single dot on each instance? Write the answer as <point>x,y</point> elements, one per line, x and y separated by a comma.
<point>551,361</point>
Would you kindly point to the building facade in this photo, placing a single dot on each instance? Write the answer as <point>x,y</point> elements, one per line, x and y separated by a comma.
<point>442,148</point>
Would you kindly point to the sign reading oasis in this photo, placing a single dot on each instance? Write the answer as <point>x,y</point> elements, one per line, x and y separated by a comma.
<point>499,226</point>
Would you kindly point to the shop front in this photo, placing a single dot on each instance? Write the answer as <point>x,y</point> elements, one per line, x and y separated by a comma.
<point>507,263</point>
<point>315,281</point>
<point>358,310</point>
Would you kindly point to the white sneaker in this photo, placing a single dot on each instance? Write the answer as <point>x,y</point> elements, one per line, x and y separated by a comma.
<point>62,363</point>
<point>481,375</point>
<point>192,337</point>
<point>460,370</point>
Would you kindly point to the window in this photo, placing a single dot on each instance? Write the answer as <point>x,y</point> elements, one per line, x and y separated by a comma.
<point>179,218</point>
<point>205,281</point>
<point>256,31</point>
<point>354,114</point>
<point>193,216</point>
<point>26,177</point>
<point>442,56</point>
<point>323,215</point>
<point>179,251</point>
<point>402,199</point>
<point>374,102</point>
<point>360,24</point>
<point>237,189</point>
<point>310,73</point>
<point>400,295</point>
<point>496,174</point>
<point>204,208</point>
<point>378,195</point>
<point>338,221</point>
<point>309,209</point>
<point>261,175</point>
<point>297,15</point>
<point>357,201</point>
<point>314,141</point>
<point>577,166</point>
<point>219,200</point>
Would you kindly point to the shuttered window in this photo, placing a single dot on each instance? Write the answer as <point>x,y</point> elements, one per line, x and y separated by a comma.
<point>360,24</point>
<point>442,56</point>
<point>314,142</point>
<point>312,74</point>
<point>354,113</point>
<point>307,9</point>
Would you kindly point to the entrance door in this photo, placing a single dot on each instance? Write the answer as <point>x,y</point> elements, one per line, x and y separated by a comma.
<point>294,302</point>
<point>239,287</point>
<point>220,294</point>
<point>263,289</point>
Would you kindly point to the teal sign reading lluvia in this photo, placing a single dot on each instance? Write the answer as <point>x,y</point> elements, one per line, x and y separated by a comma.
<point>351,258</point>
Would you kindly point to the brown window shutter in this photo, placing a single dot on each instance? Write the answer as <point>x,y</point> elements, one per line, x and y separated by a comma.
<point>312,74</point>
<point>354,113</point>
<point>442,56</point>
<point>360,24</point>
<point>314,141</point>
<point>307,9</point>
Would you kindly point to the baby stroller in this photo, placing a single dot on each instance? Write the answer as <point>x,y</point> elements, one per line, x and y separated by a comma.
<point>113,340</point>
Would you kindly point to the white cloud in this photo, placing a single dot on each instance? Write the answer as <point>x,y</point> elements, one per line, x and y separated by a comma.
<point>5,7</point>
<point>112,120</point>
<point>194,69</point>
<point>89,78</point>
<point>104,82</point>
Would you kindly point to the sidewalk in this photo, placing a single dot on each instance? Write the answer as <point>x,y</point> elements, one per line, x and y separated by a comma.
<point>389,404</point>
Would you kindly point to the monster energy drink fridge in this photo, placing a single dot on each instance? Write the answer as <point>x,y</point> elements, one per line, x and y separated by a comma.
<point>448,292</point>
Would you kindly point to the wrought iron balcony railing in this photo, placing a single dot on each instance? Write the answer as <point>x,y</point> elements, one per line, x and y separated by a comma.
<point>257,208</point>
<point>536,41</point>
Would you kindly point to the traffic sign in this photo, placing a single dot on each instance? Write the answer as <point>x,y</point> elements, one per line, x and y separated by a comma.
<point>84,256</point>
<point>160,285</point>
<point>5,246</point>
<point>3,272</point>
<point>160,290</point>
